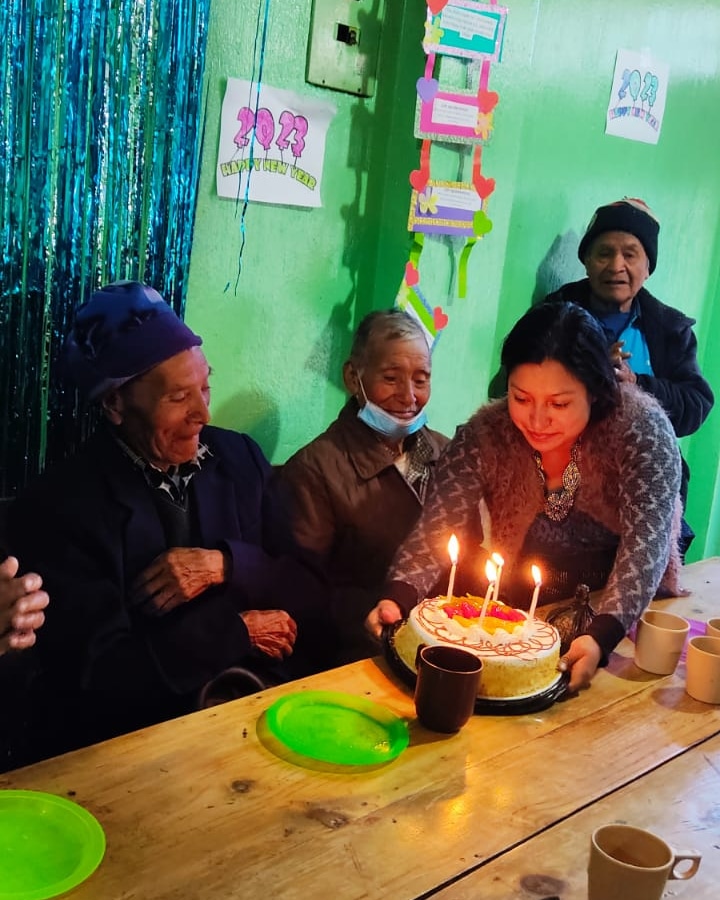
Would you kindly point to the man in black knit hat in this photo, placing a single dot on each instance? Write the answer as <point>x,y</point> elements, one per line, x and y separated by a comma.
<point>651,344</point>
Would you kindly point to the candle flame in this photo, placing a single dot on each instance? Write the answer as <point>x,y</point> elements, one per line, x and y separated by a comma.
<point>490,570</point>
<point>498,560</point>
<point>536,575</point>
<point>453,549</point>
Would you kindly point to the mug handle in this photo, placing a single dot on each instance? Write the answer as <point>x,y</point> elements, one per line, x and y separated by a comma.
<point>417,655</point>
<point>678,858</point>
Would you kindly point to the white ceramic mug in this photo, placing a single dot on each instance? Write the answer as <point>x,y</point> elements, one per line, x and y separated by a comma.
<point>659,641</point>
<point>703,669</point>
<point>628,863</point>
<point>712,628</point>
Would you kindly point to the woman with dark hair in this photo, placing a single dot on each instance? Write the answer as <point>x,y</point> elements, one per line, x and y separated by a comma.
<point>570,471</point>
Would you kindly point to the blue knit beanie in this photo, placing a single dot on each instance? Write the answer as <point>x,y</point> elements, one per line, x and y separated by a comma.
<point>630,215</point>
<point>125,329</point>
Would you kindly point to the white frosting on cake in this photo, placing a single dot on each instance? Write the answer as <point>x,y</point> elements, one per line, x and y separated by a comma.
<point>519,657</point>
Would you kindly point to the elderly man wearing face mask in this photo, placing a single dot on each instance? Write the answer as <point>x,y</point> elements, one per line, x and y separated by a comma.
<point>157,540</point>
<point>650,344</point>
<point>358,488</point>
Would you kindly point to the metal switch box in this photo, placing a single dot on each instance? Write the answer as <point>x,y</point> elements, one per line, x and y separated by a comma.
<point>343,45</point>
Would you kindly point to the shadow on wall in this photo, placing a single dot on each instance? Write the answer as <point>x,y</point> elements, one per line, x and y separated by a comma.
<point>254,413</point>
<point>380,145</point>
<point>332,347</point>
<point>381,149</point>
<point>557,267</point>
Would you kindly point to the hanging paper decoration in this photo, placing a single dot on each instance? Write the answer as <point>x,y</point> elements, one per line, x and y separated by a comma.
<point>448,207</point>
<point>411,299</point>
<point>465,28</point>
<point>100,130</point>
<point>472,32</point>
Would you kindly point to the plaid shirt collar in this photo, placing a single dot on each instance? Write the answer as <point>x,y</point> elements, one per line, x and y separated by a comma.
<point>175,481</point>
<point>419,453</point>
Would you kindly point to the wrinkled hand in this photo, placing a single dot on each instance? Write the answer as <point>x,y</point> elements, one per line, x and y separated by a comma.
<point>581,659</point>
<point>272,631</point>
<point>619,357</point>
<point>21,606</point>
<point>385,613</point>
<point>177,576</point>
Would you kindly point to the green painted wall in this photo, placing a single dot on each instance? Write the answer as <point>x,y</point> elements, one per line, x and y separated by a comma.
<point>277,342</point>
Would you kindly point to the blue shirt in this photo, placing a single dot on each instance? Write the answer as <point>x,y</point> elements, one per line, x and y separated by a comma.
<point>619,326</point>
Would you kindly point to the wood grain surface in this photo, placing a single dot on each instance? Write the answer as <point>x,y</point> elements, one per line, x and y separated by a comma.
<point>206,806</point>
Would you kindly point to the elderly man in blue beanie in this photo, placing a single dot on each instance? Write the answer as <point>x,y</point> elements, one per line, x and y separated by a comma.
<point>651,344</point>
<point>158,541</point>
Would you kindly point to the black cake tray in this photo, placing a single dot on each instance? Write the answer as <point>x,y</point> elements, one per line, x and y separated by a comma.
<point>514,706</point>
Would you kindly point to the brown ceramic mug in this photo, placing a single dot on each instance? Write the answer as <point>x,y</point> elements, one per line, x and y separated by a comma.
<point>446,689</point>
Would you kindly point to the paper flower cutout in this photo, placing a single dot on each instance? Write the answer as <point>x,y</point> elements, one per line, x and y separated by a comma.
<point>427,201</point>
<point>433,31</point>
<point>484,125</point>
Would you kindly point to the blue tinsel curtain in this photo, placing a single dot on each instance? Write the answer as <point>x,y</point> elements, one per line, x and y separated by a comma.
<point>100,129</point>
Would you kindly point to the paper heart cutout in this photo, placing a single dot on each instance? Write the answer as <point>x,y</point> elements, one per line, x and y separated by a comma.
<point>481,223</point>
<point>486,100</point>
<point>436,5</point>
<point>440,320</point>
<point>412,276</point>
<point>418,179</point>
<point>427,88</point>
<point>484,186</point>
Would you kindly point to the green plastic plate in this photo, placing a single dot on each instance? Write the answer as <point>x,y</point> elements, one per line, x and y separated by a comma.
<point>48,845</point>
<point>338,728</point>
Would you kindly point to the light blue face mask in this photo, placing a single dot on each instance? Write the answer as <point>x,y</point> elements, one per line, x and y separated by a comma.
<point>396,429</point>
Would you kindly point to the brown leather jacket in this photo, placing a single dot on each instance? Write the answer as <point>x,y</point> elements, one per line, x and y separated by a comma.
<point>351,509</point>
<point>351,506</point>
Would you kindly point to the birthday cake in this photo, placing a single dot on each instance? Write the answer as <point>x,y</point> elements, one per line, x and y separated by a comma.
<point>519,657</point>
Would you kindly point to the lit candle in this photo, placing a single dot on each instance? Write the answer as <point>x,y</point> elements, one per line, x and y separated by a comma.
<point>538,581</point>
<point>453,549</point>
<point>491,573</point>
<point>499,562</point>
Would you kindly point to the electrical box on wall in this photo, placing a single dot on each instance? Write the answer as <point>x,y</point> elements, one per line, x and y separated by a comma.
<point>343,45</point>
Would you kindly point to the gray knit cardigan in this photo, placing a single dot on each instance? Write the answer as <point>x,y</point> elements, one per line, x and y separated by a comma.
<point>630,475</point>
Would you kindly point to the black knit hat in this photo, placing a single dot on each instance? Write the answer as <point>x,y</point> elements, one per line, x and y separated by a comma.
<point>630,215</point>
<point>125,329</point>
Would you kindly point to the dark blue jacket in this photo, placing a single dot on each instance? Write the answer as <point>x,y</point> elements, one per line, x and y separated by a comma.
<point>678,383</point>
<point>90,525</point>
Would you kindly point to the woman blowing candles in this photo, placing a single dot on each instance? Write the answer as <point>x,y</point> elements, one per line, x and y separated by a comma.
<point>574,472</point>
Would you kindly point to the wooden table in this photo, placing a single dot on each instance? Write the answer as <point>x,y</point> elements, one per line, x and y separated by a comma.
<point>200,808</point>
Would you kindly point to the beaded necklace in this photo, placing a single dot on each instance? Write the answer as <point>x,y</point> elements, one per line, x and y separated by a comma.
<point>559,503</point>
